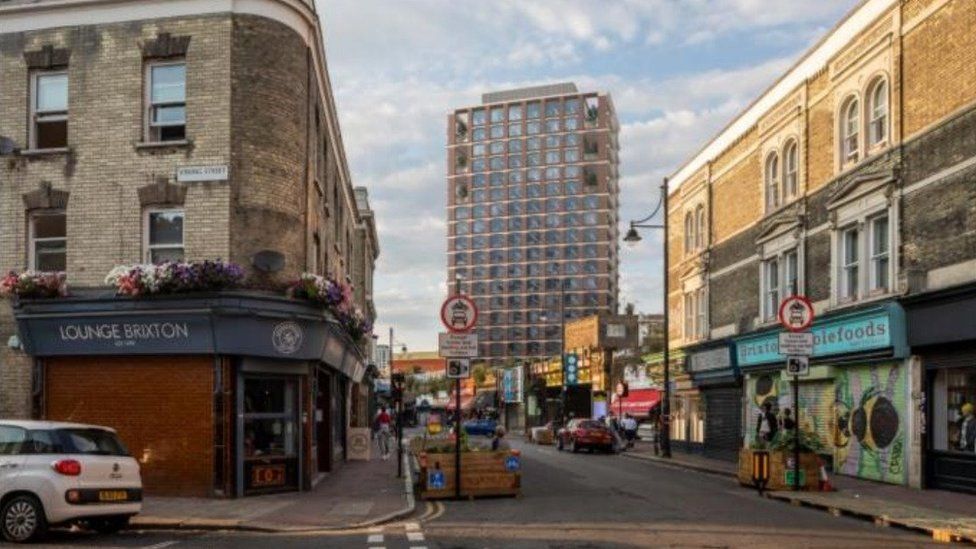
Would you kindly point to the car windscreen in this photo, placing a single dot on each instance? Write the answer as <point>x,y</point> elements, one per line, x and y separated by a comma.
<point>97,442</point>
<point>591,425</point>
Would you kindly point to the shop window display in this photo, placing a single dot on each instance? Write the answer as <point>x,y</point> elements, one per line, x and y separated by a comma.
<point>954,409</point>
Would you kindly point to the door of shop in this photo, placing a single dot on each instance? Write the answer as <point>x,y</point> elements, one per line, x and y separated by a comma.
<point>951,457</point>
<point>723,422</point>
<point>271,443</point>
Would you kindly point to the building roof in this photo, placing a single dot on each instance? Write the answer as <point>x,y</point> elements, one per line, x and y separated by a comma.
<point>416,355</point>
<point>530,92</point>
<point>854,23</point>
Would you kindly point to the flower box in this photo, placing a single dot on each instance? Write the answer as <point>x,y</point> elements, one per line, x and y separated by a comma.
<point>778,467</point>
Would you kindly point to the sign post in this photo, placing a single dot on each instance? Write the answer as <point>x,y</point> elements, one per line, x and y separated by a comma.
<point>796,315</point>
<point>459,315</point>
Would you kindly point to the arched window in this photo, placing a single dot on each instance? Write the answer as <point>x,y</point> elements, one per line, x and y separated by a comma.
<point>878,131</point>
<point>689,233</point>
<point>849,130</point>
<point>700,228</point>
<point>772,181</point>
<point>790,184</point>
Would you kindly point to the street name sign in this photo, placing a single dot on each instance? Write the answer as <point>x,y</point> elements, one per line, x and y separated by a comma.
<point>796,313</point>
<point>796,343</point>
<point>459,313</point>
<point>457,345</point>
<point>798,365</point>
<point>458,368</point>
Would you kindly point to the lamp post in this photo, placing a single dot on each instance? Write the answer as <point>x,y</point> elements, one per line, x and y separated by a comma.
<point>632,238</point>
<point>457,412</point>
<point>396,379</point>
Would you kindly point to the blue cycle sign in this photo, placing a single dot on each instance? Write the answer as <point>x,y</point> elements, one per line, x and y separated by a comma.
<point>435,480</point>
<point>512,463</point>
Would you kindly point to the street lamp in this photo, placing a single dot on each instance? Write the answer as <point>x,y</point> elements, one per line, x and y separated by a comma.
<point>632,238</point>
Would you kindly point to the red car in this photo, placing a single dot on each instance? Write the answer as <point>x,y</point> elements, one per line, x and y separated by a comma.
<point>585,433</point>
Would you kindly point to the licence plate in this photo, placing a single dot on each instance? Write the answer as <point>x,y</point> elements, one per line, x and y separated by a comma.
<point>113,495</point>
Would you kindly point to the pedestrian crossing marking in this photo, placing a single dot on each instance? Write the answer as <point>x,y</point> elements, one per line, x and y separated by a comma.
<point>375,538</point>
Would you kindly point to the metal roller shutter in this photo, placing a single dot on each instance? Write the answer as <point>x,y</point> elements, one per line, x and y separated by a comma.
<point>723,422</point>
<point>817,410</point>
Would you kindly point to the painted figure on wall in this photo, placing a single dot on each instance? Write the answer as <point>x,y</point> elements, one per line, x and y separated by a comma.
<point>869,432</point>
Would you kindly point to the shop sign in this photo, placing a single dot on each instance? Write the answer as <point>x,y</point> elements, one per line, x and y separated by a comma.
<point>713,359</point>
<point>865,332</point>
<point>512,384</point>
<point>114,335</point>
<point>451,345</point>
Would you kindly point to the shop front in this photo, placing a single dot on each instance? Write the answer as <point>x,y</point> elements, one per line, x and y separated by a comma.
<point>942,333</point>
<point>856,398</point>
<point>224,395</point>
<point>687,421</point>
<point>713,372</point>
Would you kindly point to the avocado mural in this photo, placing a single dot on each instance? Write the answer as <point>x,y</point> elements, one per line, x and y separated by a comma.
<point>869,428</point>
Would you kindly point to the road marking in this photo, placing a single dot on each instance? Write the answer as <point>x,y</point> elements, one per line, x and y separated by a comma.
<point>161,545</point>
<point>412,526</point>
<point>375,538</point>
<point>415,536</point>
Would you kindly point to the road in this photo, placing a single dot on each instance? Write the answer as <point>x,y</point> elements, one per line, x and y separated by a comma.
<point>572,501</point>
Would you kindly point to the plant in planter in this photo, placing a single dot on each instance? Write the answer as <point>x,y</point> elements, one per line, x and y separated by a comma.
<point>355,323</point>
<point>34,284</point>
<point>592,114</point>
<point>461,162</point>
<point>173,277</point>
<point>461,130</point>
<point>320,290</point>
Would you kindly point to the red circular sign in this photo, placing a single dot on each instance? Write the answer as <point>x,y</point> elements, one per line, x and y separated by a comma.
<point>796,313</point>
<point>459,313</point>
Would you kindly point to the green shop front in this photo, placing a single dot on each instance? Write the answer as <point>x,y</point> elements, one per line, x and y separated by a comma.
<point>856,398</point>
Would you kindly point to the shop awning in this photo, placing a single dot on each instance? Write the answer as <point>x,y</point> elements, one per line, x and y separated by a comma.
<point>466,402</point>
<point>637,403</point>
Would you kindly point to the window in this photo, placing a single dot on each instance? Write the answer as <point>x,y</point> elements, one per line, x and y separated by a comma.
<point>849,264</point>
<point>791,274</point>
<point>701,326</point>
<point>699,227</point>
<point>790,183</point>
<point>879,254</point>
<point>689,233</point>
<point>478,117</point>
<point>515,112</point>
<point>514,130</point>
<point>533,110</point>
<point>689,315</point>
<point>953,392</point>
<point>166,116</point>
<point>772,298</point>
<point>49,110</point>
<point>497,114</point>
<point>48,241</point>
<point>850,120</point>
<point>772,181</point>
<point>879,113</point>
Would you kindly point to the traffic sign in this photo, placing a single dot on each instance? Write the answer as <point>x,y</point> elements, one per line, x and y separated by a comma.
<point>796,313</point>
<point>459,313</point>
<point>512,463</point>
<point>458,368</point>
<point>436,480</point>
<point>798,365</point>
<point>457,345</point>
<point>796,343</point>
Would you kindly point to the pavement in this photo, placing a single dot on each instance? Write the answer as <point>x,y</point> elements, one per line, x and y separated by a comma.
<point>359,494</point>
<point>945,516</point>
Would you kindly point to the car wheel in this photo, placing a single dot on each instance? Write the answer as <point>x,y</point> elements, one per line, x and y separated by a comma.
<point>22,519</point>
<point>109,525</point>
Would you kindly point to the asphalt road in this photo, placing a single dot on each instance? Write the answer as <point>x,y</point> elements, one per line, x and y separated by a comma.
<point>571,501</point>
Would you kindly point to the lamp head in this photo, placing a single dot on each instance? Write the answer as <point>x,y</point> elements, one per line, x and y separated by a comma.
<point>632,238</point>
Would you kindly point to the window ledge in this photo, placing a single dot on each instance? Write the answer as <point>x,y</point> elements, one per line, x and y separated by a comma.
<point>875,297</point>
<point>150,145</point>
<point>45,152</point>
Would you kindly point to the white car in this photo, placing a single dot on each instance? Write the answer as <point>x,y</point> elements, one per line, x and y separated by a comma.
<point>54,474</point>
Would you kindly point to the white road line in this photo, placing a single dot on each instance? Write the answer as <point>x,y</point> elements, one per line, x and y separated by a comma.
<point>380,547</point>
<point>412,526</point>
<point>161,545</point>
<point>418,547</point>
<point>375,538</point>
<point>415,536</point>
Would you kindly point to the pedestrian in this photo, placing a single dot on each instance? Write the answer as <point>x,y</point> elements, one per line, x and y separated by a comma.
<point>788,422</point>
<point>766,424</point>
<point>383,431</point>
<point>496,441</point>
<point>629,425</point>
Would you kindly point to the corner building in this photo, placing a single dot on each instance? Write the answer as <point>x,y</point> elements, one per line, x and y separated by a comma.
<point>138,131</point>
<point>849,181</point>
<point>533,186</point>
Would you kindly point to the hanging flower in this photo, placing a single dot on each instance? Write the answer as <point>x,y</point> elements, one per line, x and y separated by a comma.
<point>174,277</point>
<point>34,284</point>
<point>336,297</point>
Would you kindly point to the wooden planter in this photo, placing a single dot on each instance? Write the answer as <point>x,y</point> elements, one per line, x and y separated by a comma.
<point>809,467</point>
<point>482,474</point>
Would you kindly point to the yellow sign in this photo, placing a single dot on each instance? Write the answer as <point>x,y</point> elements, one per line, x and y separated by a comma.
<point>583,333</point>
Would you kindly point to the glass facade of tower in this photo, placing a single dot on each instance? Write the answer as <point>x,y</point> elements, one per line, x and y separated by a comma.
<point>532,215</point>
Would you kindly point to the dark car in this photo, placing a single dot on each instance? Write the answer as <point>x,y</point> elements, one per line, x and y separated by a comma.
<point>585,433</point>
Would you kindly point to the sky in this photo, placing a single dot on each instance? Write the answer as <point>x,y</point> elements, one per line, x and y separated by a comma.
<point>677,70</point>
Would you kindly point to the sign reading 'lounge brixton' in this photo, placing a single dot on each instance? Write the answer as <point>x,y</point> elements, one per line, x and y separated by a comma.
<point>111,335</point>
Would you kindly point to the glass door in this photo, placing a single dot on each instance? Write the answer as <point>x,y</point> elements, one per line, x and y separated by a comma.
<point>270,448</point>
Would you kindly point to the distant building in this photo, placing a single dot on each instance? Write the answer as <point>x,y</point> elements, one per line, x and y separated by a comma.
<point>381,358</point>
<point>533,188</point>
<point>422,365</point>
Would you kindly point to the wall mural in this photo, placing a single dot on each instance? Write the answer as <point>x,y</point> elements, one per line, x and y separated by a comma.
<point>869,431</point>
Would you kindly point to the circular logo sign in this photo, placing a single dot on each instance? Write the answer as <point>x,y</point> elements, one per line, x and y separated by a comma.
<point>459,313</point>
<point>796,313</point>
<point>287,337</point>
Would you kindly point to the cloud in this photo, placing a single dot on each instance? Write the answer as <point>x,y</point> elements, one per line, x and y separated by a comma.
<point>399,68</point>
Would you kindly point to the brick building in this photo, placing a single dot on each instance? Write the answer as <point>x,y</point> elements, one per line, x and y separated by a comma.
<point>532,214</point>
<point>137,131</point>
<point>850,180</point>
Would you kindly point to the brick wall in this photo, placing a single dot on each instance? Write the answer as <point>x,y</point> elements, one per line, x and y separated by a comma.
<point>161,407</point>
<point>738,198</point>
